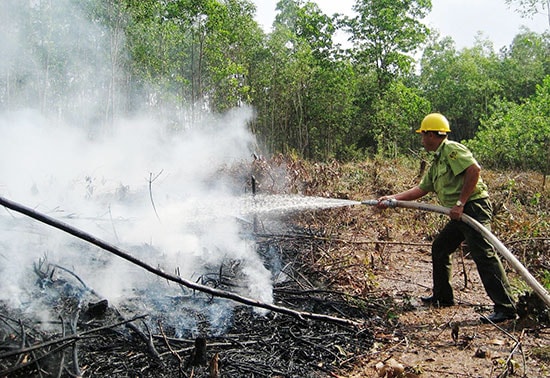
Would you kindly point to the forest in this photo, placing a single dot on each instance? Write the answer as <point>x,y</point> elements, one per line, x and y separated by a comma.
<point>313,98</point>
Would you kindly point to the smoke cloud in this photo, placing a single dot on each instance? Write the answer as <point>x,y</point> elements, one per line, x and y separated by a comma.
<point>139,184</point>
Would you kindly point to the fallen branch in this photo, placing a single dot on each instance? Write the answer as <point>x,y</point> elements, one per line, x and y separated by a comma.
<point>151,180</point>
<point>195,286</point>
<point>71,338</point>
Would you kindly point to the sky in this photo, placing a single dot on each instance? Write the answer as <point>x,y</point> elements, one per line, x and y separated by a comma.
<point>459,19</point>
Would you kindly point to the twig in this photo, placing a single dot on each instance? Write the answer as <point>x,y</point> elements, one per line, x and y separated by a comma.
<point>62,361</point>
<point>509,360</point>
<point>501,329</point>
<point>23,339</point>
<point>113,223</point>
<point>149,341</point>
<point>76,365</point>
<point>72,274</point>
<point>70,338</point>
<point>453,373</point>
<point>515,241</point>
<point>151,179</point>
<point>172,351</point>
<point>23,343</point>
<point>463,263</point>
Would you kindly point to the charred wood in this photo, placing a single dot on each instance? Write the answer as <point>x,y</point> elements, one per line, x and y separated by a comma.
<point>198,355</point>
<point>70,338</point>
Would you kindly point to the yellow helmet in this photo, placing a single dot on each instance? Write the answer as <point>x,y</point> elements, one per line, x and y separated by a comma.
<point>435,122</point>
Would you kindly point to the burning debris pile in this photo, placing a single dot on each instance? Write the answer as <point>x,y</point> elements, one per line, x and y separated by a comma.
<point>190,323</point>
<point>85,335</point>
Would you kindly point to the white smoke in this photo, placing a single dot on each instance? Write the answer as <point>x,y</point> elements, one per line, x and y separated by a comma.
<point>153,191</point>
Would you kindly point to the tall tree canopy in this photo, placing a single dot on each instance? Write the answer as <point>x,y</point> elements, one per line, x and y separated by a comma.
<point>385,35</point>
<point>529,8</point>
<point>517,135</point>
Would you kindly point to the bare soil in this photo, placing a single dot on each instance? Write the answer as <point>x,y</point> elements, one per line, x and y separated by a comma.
<point>452,341</point>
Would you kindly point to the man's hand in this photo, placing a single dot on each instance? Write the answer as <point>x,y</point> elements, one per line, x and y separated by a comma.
<point>456,212</point>
<point>382,202</point>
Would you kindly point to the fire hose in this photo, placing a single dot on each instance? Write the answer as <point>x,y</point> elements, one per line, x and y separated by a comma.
<point>497,244</point>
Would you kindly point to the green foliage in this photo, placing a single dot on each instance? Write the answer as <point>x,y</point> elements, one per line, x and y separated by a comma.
<point>232,41</point>
<point>460,84</point>
<point>396,115</point>
<point>528,8</point>
<point>386,33</point>
<point>184,57</point>
<point>517,135</point>
<point>307,96</point>
<point>524,65</point>
<point>329,111</point>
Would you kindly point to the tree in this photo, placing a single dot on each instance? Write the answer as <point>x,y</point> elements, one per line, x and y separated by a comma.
<point>460,84</point>
<point>298,98</point>
<point>397,114</point>
<point>280,97</point>
<point>524,65</point>
<point>159,40</point>
<point>385,35</point>
<point>307,23</point>
<point>232,41</point>
<point>64,58</point>
<point>331,106</point>
<point>195,54</point>
<point>517,136</point>
<point>528,8</point>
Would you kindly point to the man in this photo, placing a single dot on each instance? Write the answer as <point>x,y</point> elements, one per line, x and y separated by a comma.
<point>454,177</point>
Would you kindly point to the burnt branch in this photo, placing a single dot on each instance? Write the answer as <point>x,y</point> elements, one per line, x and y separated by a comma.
<point>151,180</point>
<point>70,339</point>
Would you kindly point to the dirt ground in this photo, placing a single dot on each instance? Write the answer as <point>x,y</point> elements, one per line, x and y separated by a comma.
<point>450,342</point>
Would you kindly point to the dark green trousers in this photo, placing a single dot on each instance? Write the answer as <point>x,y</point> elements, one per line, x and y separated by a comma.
<point>488,264</point>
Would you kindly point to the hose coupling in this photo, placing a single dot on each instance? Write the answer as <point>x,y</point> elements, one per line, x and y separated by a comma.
<point>386,203</point>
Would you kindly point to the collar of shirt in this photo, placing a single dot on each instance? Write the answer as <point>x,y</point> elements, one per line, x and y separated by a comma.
<point>439,150</point>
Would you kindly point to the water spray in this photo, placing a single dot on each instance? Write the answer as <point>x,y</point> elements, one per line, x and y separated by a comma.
<point>497,244</point>
<point>170,277</point>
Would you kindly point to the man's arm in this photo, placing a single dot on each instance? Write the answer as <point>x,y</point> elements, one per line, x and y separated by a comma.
<point>408,195</point>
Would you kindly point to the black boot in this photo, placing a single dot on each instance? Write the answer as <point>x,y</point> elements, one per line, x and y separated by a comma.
<point>498,317</point>
<point>437,302</point>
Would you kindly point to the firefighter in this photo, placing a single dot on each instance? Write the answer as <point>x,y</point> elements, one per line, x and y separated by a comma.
<point>454,177</point>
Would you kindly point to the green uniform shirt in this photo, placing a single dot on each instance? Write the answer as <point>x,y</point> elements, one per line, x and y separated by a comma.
<point>446,174</point>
